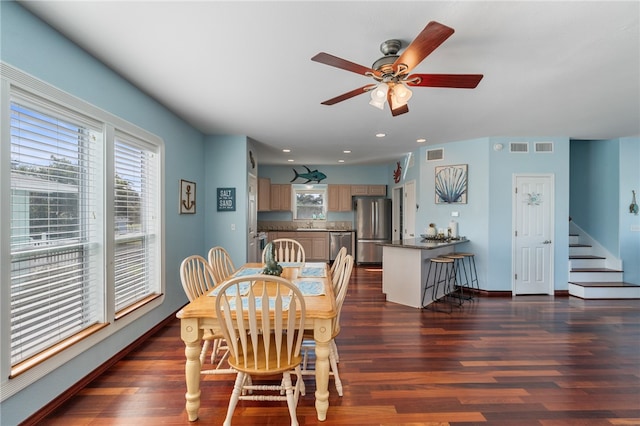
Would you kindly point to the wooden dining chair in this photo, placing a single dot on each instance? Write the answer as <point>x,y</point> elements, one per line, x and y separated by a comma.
<point>197,279</point>
<point>308,346</point>
<point>286,250</point>
<point>221,263</point>
<point>337,262</point>
<point>262,319</point>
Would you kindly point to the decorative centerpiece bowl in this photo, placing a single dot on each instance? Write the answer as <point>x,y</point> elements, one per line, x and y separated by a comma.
<point>271,266</point>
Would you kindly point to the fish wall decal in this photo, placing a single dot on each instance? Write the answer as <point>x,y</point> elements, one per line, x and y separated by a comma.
<point>310,176</point>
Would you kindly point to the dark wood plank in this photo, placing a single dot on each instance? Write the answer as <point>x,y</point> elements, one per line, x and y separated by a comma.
<point>529,360</point>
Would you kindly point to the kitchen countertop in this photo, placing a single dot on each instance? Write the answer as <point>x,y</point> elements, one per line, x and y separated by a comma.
<point>421,244</point>
<point>308,230</point>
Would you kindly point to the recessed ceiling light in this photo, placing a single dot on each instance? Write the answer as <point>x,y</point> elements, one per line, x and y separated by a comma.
<point>347,151</point>
<point>286,150</point>
<point>290,160</point>
<point>380,135</point>
<point>421,140</point>
<point>340,161</point>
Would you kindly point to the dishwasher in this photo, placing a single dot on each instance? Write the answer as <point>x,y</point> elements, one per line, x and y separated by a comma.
<point>337,240</point>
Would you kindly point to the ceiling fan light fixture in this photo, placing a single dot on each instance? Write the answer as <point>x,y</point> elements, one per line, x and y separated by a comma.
<point>379,95</point>
<point>400,94</point>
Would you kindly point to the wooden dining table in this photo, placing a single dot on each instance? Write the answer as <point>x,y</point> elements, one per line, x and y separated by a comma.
<point>200,314</point>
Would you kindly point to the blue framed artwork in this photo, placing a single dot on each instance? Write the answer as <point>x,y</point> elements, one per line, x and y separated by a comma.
<point>451,184</point>
<point>226,199</point>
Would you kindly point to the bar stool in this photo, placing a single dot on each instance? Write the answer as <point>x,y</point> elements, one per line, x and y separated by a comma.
<point>463,277</point>
<point>473,272</point>
<point>444,276</point>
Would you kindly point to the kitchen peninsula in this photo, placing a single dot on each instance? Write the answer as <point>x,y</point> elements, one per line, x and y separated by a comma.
<point>405,267</point>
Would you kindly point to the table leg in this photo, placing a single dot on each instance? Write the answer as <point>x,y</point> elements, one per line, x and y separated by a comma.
<point>192,336</point>
<point>322,335</point>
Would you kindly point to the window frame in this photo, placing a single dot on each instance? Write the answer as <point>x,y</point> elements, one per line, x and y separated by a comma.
<point>13,79</point>
<point>309,189</point>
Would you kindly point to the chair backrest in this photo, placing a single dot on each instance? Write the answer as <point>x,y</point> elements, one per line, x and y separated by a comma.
<point>262,319</point>
<point>286,250</point>
<point>221,263</point>
<point>337,266</point>
<point>197,276</point>
<point>341,289</point>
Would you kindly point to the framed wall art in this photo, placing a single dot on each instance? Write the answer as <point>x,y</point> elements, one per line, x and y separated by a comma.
<point>226,199</point>
<point>187,197</point>
<point>451,184</point>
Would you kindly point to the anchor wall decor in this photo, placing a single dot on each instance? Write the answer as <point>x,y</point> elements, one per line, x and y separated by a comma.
<point>187,197</point>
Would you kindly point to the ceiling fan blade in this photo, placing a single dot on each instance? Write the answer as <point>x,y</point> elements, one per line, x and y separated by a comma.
<point>396,110</point>
<point>348,95</point>
<point>432,36</point>
<point>459,81</point>
<point>334,61</point>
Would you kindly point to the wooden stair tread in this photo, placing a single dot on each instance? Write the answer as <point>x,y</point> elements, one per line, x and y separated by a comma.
<point>585,256</point>
<point>579,245</point>
<point>595,270</point>
<point>604,284</point>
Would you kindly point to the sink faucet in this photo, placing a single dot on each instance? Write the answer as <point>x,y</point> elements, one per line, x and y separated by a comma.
<point>310,224</point>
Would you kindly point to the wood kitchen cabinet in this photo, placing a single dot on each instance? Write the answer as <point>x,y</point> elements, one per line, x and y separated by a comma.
<point>315,243</point>
<point>280,197</point>
<point>380,190</point>
<point>339,198</point>
<point>264,194</point>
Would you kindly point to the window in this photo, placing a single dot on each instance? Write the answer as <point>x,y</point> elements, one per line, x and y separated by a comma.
<point>310,202</point>
<point>85,240</point>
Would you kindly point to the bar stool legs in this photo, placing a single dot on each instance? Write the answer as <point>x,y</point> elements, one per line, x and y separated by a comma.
<point>464,278</point>
<point>442,282</point>
<point>473,272</point>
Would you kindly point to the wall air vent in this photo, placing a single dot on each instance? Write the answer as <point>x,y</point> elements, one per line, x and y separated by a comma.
<point>519,147</point>
<point>544,147</point>
<point>435,154</point>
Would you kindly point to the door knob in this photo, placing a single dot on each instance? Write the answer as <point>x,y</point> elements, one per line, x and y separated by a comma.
<point>546,242</point>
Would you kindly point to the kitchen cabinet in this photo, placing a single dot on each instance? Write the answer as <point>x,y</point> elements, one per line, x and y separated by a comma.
<point>280,197</point>
<point>380,190</point>
<point>339,198</point>
<point>315,243</point>
<point>264,194</point>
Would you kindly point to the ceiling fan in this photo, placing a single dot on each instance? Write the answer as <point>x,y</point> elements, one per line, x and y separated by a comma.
<point>391,72</point>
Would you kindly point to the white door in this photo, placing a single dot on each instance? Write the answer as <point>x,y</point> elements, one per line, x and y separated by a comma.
<point>409,210</point>
<point>252,235</point>
<point>396,203</point>
<point>533,212</point>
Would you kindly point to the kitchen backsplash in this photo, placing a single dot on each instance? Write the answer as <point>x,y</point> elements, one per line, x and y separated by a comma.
<point>278,225</point>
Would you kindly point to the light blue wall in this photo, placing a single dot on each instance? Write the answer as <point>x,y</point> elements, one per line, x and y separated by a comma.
<point>629,223</point>
<point>226,159</point>
<point>595,190</point>
<point>473,216</point>
<point>32,46</point>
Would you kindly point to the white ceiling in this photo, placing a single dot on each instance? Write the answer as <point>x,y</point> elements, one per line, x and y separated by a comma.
<point>550,69</point>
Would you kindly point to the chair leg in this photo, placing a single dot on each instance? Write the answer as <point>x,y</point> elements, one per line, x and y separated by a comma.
<point>334,368</point>
<point>203,352</point>
<point>334,348</point>
<point>235,396</point>
<point>291,402</point>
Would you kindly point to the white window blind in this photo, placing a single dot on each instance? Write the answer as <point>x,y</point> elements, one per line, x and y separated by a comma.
<point>55,278</point>
<point>135,215</point>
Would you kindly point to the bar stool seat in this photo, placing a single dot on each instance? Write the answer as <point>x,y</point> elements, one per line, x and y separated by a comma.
<point>442,281</point>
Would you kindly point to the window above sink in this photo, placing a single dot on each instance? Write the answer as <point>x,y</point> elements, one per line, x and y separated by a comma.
<point>309,203</point>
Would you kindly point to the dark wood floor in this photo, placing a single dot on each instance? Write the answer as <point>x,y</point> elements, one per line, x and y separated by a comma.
<point>532,360</point>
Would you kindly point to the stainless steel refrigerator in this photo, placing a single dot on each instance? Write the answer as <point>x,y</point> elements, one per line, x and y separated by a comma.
<point>373,226</point>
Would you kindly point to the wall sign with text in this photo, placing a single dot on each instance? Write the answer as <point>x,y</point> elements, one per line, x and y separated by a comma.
<point>226,198</point>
